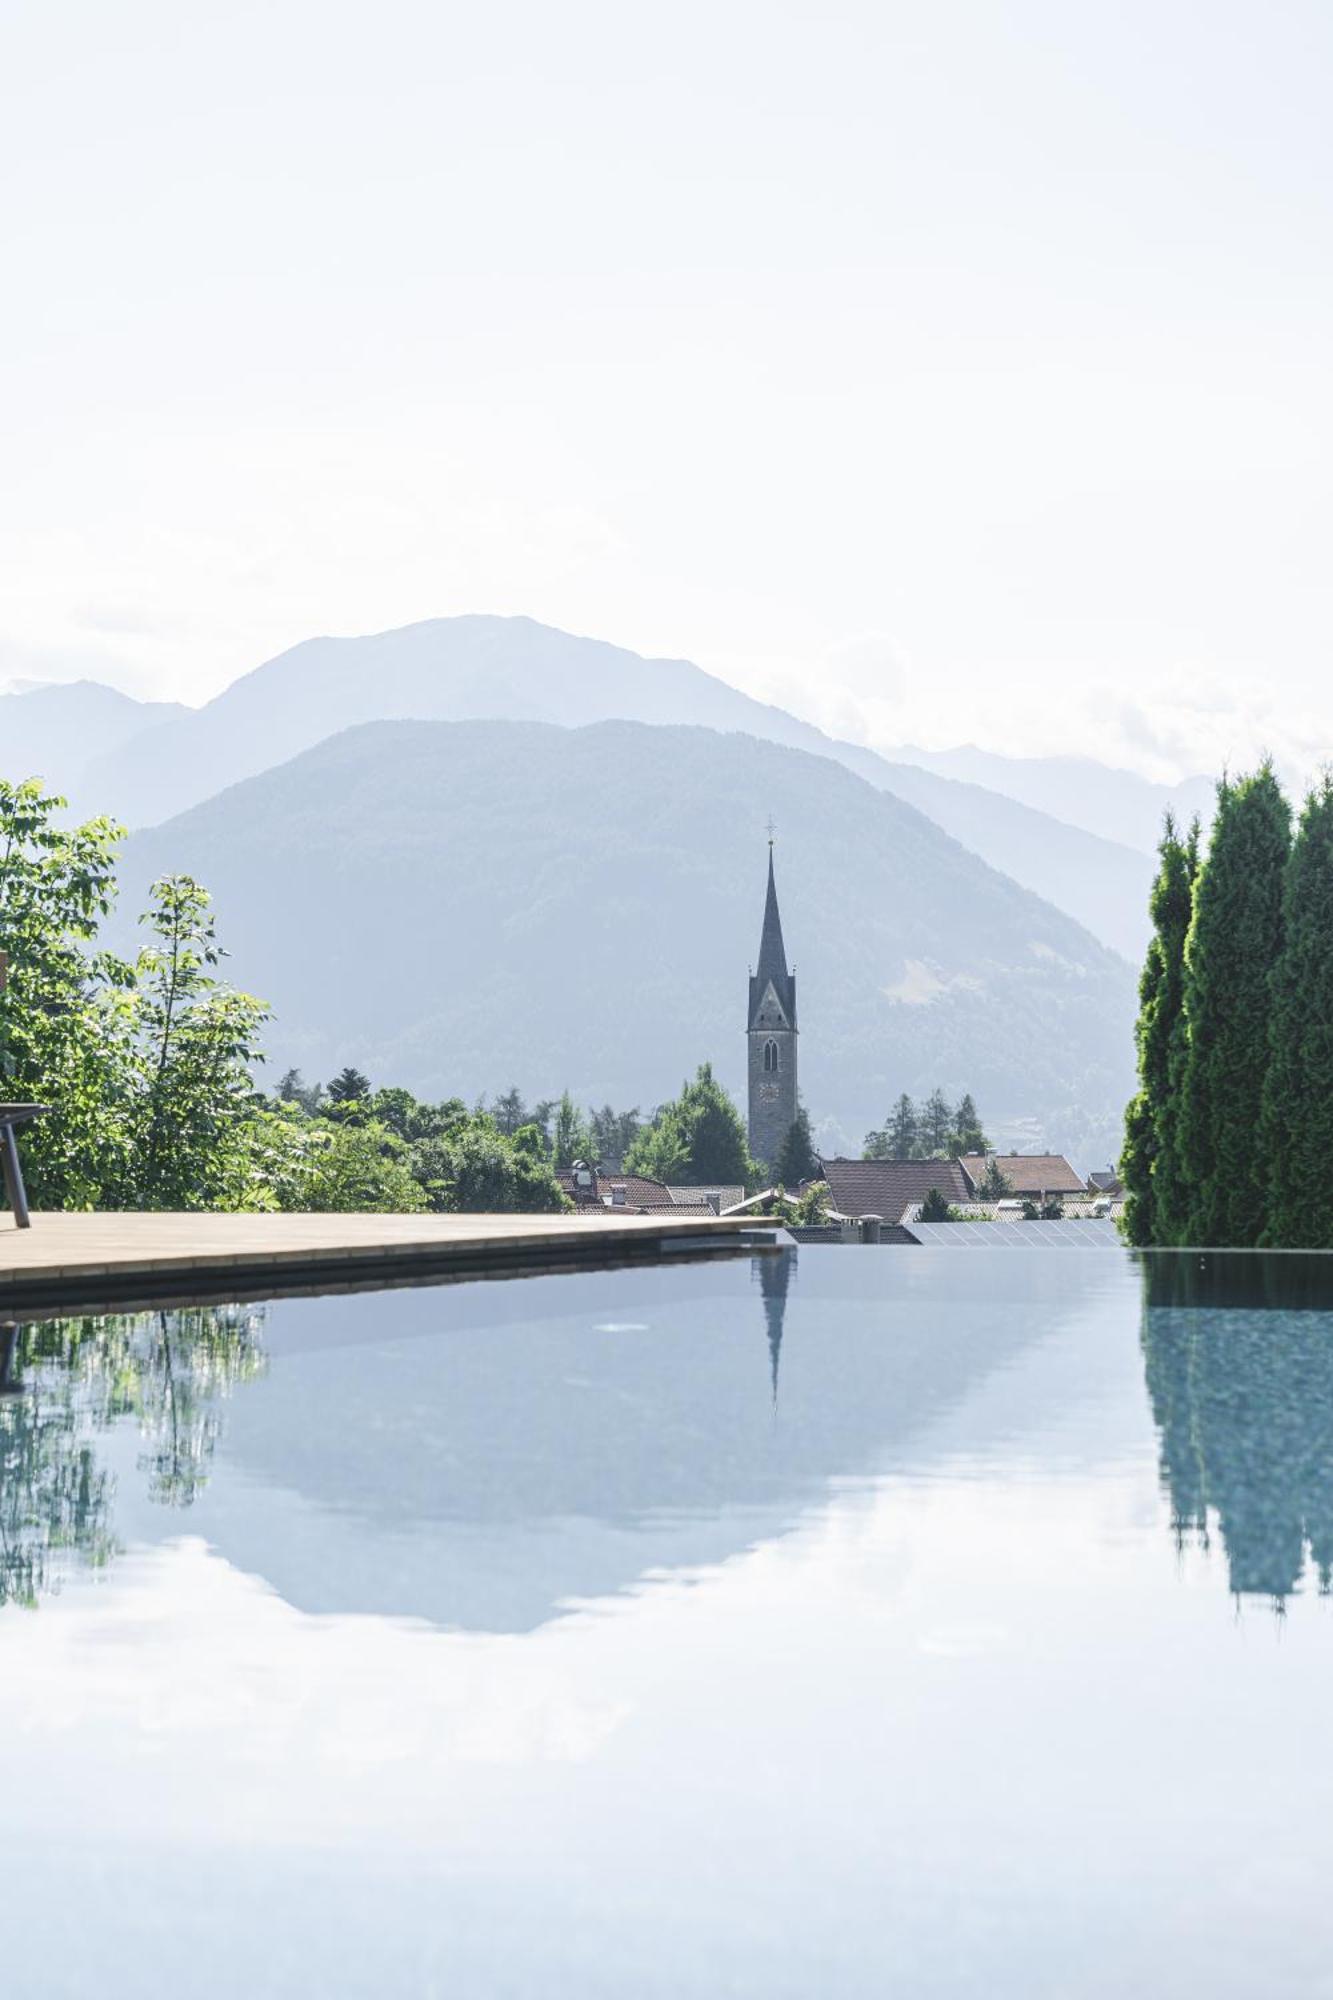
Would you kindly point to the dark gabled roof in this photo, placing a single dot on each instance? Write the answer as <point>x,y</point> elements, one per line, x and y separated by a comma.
<point>772,966</point>
<point>1027,1173</point>
<point>1106,1180</point>
<point>888,1187</point>
<point>640,1192</point>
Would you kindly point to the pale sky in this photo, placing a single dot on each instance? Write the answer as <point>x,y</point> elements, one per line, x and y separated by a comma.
<point>952,371</point>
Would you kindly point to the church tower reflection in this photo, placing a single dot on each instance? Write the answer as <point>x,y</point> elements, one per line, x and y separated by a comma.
<point>1239,1369</point>
<point>774,1272</point>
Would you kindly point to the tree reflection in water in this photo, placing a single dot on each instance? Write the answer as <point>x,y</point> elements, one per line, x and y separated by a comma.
<point>1238,1355</point>
<point>64,1381</point>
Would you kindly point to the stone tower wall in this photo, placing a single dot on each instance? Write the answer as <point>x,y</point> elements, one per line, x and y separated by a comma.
<point>771,1114</point>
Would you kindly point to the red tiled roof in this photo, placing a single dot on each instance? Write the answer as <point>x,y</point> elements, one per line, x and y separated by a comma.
<point>888,1187</point>
<point>690,1197</point>
<point>641,1195</point>
<point>1027,1173</point>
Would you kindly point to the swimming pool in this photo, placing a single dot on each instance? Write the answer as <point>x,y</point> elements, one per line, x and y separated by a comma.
<point>848,1622</point>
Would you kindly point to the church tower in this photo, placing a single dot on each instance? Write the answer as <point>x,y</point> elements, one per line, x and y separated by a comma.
<point>772,1036</point>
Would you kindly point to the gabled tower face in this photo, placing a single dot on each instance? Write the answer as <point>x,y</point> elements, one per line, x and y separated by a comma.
<point>772,1036</point>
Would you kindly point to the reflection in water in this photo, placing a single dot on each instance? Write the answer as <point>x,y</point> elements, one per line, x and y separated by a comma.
<point>1239,1363</point>
<point>774,1278</point>
<point>1238,1358</point>
<point>63,1381</point>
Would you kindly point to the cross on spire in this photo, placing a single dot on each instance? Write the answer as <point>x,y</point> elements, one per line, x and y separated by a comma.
<point>772,829</point>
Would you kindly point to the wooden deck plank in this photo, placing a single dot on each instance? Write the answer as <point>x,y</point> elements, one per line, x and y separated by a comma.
<point>78,1258</point>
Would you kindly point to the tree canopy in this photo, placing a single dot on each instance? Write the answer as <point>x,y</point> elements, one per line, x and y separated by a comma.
<point>1297,1122</point>
<point>797,1159</point>
<point>1225,1138</point>
<point>1234,940</point>
<point>929,1131</point>
<point>697,1138</point>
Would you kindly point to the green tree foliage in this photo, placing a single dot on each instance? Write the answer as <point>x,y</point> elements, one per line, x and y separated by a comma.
<point>797,1159</point>
<point>813,1206</point>
<point>292,1088</point>
<point>1051,1210</point>
<point>903,1130</point>
<point>350,1086</point>
<point>967,1135</point>
<point>897,1138</point>
<point>59,1039</point>
<point>1234,941</point>
<point>146,1066</point>
<point>935,1207</point>
<point>193,1042</point>
<point>571,1138</point>
<point>509,1111</point>
<point>699,1137</point>
<point>357,1168</point>
<point>1298,1092</point>
<point>661,1152</point>
<point>478,1169</point>
<point>397,1108</point>
<point>934,1125</point>
<point>929,1131</point>
<point>1150,1164</point>
<point>995,1184</point>
<point>614,1132</point>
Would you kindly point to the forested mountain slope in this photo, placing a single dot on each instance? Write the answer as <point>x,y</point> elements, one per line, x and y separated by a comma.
<point>458,906</point>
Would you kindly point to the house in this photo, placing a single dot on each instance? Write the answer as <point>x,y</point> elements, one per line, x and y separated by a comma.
<point>630,1194</point>
<point>719,1196</point>
<point>1032,1176</point>
<point>1106,1181</point>
<point>888,1188</point>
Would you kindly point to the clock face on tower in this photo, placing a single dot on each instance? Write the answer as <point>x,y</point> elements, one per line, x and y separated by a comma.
<point>768,1093</point>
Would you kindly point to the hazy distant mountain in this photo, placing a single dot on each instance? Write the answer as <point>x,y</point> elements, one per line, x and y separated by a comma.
<point>458,906</point>
<point>53,729</point>
<point>1117,805</point>
<point>514,669</point>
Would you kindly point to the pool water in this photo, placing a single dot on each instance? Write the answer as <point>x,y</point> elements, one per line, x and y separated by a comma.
<point>860,1621</point>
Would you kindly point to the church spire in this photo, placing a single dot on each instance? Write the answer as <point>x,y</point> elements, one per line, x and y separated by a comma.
<point>771,971</point>
<point>772,955</point>
<point>772,1035</point>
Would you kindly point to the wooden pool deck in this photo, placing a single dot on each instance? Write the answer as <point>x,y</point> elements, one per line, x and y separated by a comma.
<point>88,1263</point>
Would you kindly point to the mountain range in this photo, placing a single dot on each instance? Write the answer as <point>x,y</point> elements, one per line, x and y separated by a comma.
<point>480,668</point>
<point>458,906</point>
<point>56,729</point>
<point>1117,805</point>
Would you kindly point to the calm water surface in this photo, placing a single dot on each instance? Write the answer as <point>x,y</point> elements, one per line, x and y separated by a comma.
<point>859,1623</point>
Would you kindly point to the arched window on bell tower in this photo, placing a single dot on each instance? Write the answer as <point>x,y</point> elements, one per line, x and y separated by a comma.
<point>771,1057</point>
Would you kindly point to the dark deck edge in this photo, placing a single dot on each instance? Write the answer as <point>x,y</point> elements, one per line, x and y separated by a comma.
<point>136,1289</point>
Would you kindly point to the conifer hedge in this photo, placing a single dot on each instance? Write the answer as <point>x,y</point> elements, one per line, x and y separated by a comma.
<point>1228,1137</point>
<point>1298,1093</point>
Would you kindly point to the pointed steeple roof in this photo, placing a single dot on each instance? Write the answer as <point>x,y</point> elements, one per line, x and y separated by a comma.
<point>772,955</point>
<point>771,970</point>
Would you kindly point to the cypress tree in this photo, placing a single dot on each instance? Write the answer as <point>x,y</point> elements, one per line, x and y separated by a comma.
<point>1171,1190</point>
<point>1234,940</point>
<point>1146,1164</point>
<point>1298,1100</point>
